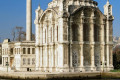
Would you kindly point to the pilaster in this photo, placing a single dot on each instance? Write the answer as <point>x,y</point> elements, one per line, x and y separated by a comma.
<point>102,44</point>
<point>37,58</point>
<point>70,42</point>
<point>91,39</point>
<point>107,43</point>
<point>81,66</point>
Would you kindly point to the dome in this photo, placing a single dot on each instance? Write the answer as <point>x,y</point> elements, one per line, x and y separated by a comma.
<point>89,1</point>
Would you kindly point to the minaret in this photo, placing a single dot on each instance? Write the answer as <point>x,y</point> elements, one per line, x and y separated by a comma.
<point>29,20</point>
<point>108,9</point>
<point>109,34</point>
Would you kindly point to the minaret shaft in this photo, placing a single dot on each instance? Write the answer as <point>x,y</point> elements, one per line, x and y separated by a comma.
<point>29,20</point>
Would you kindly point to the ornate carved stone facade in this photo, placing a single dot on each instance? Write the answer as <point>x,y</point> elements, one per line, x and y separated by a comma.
<point>74,35</point>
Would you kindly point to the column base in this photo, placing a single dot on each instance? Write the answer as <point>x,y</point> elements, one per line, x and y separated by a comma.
<point>37,69</point>
<point>90,68</point>
<point>41,69</point>
<point>93,68</point>
<point>64,69</point>
<point>52,69</point>
<point>46,69</point>
<point>80,69</point>
<point>71,69</point>
<point>109,68</point>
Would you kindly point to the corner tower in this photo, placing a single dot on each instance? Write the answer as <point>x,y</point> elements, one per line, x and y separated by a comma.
<point>109,35</point>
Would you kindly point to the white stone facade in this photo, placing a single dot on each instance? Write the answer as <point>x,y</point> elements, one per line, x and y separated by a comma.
<point>74,36</point>
<point>19,55</point>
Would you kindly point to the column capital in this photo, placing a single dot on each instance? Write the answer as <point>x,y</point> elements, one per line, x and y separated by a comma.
<point>103,21</point>
<point>82,20</point>
<point>36,21</point>
<point>92,20</point>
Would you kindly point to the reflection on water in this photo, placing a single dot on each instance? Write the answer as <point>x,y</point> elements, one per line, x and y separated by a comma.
<point>69,79</point>
<point>101,79</point>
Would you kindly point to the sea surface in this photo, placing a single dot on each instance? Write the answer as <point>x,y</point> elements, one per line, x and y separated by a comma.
<point>76,79</point>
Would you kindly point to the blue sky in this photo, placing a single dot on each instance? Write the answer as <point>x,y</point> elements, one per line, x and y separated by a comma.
<point>13,13</point>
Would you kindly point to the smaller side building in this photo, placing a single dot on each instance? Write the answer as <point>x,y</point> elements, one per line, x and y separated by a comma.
<point>24,56</point>
<point>20,56</point>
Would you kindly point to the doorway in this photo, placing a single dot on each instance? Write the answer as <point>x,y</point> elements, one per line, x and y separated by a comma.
<point>28,69</point>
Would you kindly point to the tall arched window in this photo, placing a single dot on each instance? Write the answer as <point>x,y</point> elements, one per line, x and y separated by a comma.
<point>96,33</point>
<point>45,35</point>
<point>51,34</point>
<point>75,32</point>
<point>97,26</point>
<point>86,32</point>
<point>57,33</point>
<point>24,50</point>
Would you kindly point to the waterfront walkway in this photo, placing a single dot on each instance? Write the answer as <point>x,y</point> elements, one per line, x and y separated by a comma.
<point>42,76</point>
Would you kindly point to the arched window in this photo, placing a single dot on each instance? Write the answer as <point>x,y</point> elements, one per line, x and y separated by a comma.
<point>86,32</point>
<point>28,61</point>
<point>33,61</point>
<point>51,34</point>
<point>75,32</point>
<point>24,61</point>
<point>11,51</point>
<point>75,59</point>
<point>45,35</point>
<point>33,50</point>
<point>96,33</point>
<point>57,33</point>
<point>28,50</point>
<point>24,51</point>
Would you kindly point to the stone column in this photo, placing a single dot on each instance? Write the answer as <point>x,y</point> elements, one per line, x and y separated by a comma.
<point>37,34</point>
<point>107,43</point>
<point>21,50</point>
<point>8,59</point>
<point>102,44</point>
<point>26,50</point>
<point>56,56</point>
<point>53,55</point>
<point>41,58</point>
<point>70,46</point>
<point>91,38</point>
<point>48,53</point>
<point>53,28</point>
<point>3,61</point>
<point>81,41</point>
<point>41,34</point>
<point>29,20</point>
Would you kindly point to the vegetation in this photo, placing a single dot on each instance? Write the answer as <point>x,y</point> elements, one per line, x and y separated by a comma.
<point>116,70</point>
<point>116,58</point>
<point>19,35</point>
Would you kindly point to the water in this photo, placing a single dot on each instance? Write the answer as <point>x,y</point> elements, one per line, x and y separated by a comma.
<point>69,79</point>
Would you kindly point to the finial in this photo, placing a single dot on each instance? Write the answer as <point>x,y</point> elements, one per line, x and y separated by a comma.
<point>107,1</point>
<point>39,6</point>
